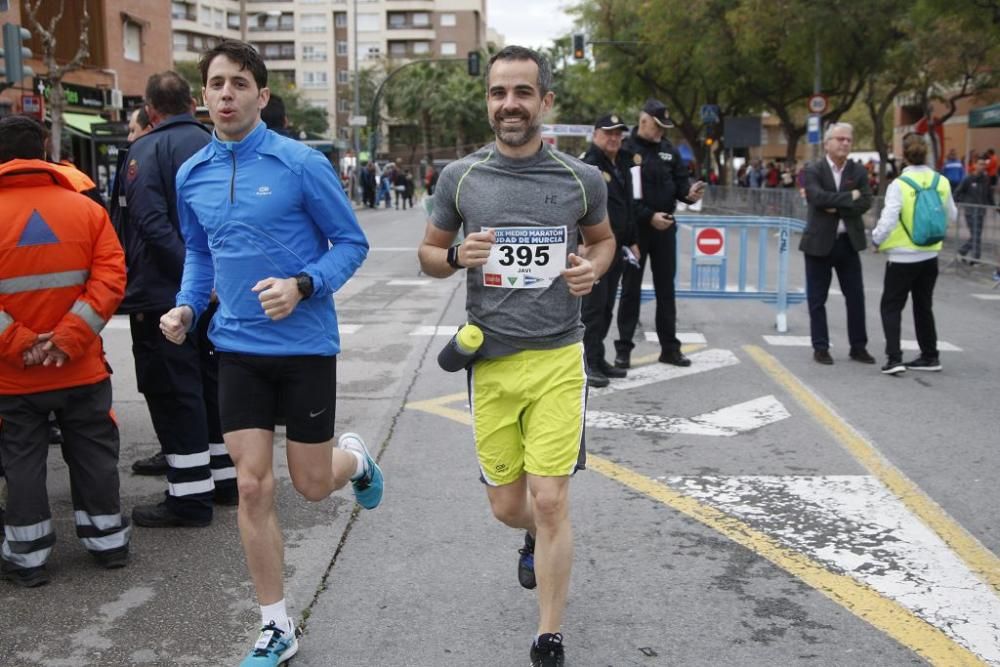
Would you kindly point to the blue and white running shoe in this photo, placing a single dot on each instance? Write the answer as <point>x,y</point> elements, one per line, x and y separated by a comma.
<point>368,488</point>
<point>273,647</point>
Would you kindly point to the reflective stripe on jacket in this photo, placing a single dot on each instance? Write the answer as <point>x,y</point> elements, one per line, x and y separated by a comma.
<point>62,270</point>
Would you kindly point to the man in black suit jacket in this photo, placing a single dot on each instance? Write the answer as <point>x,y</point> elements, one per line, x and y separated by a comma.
<point>838,195</point>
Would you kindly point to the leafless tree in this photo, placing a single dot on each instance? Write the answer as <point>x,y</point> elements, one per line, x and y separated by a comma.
<point>55,72</point>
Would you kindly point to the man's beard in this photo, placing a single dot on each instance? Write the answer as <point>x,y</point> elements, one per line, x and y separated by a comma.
<point>516,138</point>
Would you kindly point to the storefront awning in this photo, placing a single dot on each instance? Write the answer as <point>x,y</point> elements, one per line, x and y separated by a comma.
<point>988,116</point>
<point>81,122</point>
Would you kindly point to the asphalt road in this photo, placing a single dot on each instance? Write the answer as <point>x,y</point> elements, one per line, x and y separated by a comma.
<point>758,509</point>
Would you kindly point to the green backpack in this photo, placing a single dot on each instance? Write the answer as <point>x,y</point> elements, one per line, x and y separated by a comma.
<point>930,222</point>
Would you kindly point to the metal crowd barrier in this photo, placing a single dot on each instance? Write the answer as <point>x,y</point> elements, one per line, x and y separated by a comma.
<point>959,244</point>
<point>711,240</point>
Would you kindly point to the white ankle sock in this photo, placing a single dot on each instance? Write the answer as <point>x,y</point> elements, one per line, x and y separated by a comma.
<point>359,470</point>
<point>275,612</point>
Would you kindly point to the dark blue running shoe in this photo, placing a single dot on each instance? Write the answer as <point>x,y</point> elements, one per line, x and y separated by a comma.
<point>526,563</point>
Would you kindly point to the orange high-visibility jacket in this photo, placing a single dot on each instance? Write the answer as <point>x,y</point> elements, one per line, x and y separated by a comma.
<point>62,270</point>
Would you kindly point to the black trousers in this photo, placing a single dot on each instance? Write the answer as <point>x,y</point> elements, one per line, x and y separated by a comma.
<point>901,280</point>
<point>660,248</point>
<point>597,311</point>
<point>223,470</point>
<point>843,259</point>
<point>170,378</point>
<point>90,449</point>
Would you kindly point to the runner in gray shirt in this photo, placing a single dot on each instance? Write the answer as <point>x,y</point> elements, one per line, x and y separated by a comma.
<point>522,206</point>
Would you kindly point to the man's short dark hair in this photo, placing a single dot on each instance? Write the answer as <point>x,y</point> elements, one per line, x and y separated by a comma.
<point>168,93</point>
<point>523,53</point>
<point>142,118</point>
<point>273,114</point>
<point>240,53</point>
<point>21,138</point>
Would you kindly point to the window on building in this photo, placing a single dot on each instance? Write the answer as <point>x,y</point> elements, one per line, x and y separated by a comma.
<point>314,51</point>
<point>397,49</point>
<point>205,15</point>
<point>318,104</point>
<point>343,106</point>
<point>340,19</point>
<point>420,48</point>
<point>341,48</point>
<point>369,22</point>
<point>421,19</point>
<point>368,50</point>
<point>397,20</point>
<point>180,41</point>
<point>449,48</point>
<point>233,21</point>
<point>312,22</point>
<point>181,11</point>
<point>447,20</point>
<point>286,22</point>
<point>218,18</point>
<point>314,80</point>
<point>343,77</point>
<point>132,41</point>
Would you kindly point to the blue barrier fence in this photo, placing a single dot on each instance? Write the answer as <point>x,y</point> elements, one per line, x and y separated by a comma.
<point>754,238</point>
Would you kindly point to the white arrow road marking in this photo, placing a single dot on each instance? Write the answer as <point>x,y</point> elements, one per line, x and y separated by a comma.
<point>689,338</point>
<point>805,341</point>
<point>706,360</point>
<point>444,330</point>
<point>348,328</point>
<point>414,283</point>
<point>855,525</point>
<point>725,422</point>
<point>987,297</point>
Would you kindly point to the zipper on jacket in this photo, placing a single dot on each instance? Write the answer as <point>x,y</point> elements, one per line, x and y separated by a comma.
<point>232,180</point>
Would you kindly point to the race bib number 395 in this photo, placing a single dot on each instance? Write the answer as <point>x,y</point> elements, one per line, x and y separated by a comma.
<point>525,257</point>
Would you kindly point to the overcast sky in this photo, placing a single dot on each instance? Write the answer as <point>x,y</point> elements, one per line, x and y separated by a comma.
<point>535,23</point>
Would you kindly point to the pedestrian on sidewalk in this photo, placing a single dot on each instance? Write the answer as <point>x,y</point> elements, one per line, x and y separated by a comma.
<point>838,194</point>
<point>63,275</point>
<point>528,391</point>
<point>975,190</point>
<point>910,269</point>
<point>275,267</point>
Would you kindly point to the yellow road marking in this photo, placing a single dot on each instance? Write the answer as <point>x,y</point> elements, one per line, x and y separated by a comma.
<point>977,557</point>
<point>887,615</point>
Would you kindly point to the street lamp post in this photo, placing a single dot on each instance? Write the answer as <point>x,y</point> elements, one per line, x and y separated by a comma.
<point>357,105</point>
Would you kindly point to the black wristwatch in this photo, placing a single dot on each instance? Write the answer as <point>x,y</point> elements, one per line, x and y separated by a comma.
<point>453,258</point>
<point>305,284</point>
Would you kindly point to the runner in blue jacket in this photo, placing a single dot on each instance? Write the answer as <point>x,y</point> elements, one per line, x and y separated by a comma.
<point>266,223</point>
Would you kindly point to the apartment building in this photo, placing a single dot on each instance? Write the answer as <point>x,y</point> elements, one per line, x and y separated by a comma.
<point>317,44</point>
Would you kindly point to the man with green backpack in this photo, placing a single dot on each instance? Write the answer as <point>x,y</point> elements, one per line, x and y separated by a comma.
<point>918,209</point>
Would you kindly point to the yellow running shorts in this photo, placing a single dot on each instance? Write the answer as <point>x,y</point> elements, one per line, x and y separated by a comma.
<point>528,413</point>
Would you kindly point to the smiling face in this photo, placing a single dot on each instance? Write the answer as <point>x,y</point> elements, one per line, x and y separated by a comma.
<point>516,106</point>
<point>609,141</point>
<point>233,99</point>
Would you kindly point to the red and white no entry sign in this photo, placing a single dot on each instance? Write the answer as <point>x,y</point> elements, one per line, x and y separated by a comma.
<point>710,241</point>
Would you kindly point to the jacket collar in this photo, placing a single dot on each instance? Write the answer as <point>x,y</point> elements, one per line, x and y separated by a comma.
<point>47,170</point>
<point>245,146</point>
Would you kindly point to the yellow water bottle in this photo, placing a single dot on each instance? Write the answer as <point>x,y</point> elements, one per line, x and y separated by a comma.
<point>461,349</point>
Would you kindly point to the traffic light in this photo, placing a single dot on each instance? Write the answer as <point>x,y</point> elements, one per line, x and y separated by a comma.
<point>474,60</point>
<point>14,53</point>
<point>579,46</point>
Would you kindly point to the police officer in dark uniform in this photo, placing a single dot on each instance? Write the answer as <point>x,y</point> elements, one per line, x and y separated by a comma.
<point>172,378</point>
<point>597,309</point>
<point>664,181</point>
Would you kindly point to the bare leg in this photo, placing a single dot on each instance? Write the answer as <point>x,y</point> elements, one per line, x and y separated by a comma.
<point>511,506</point>
<point>553,548</point>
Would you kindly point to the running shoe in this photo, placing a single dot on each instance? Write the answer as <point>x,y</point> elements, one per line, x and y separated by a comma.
<point>894,367</point>
<point>547,651</point>
<point>923,363</point>
<point>367,488</point>
<point>526,562</point>
<point>273,647</point>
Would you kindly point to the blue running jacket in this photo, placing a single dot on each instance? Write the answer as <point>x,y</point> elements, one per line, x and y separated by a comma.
<point>266,206</point>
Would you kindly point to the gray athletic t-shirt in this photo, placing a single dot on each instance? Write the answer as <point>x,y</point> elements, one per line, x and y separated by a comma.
<point>548,189</point>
